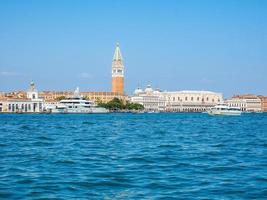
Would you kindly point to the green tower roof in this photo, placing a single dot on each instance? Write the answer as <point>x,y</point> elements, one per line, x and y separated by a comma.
<point>117,55</point>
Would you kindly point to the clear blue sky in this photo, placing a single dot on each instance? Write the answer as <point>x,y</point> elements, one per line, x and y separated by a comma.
<point>175,44</point>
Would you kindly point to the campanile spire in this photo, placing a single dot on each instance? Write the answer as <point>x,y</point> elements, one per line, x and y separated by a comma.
<point>117,54</point>
<point>117,71</point>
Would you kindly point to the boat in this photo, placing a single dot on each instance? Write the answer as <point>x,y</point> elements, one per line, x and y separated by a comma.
<point>224,109</point>
<point>59,108</point>
<point>152,111</point>
<point>77,104</point>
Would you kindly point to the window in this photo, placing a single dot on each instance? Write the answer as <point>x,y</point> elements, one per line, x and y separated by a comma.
<point>173,98</point>
<point>186,98</point>
<point>34,107</point>
<point>207,98</point>
<point>192,98</point>
<point>198,98</point>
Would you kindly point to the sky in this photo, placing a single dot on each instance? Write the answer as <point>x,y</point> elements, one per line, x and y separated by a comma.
<point>173,45</point>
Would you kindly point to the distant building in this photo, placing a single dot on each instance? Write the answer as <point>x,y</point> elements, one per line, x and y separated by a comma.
<point>2,98</point>
<point>16,94</point>
<point>2,95</point>
<point>191,101</point>
<point>103,97</point>
<point>236,102</point>
<point>177,101</point>
<point>247,103</point>
<point>51,96</point>
<point>117,72</point>
<point>150,99</point>
<point>29,104</point>
<point>263,103</point>
<point>1,105</point>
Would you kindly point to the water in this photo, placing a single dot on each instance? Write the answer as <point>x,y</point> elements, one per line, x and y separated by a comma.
<point>133,156</point>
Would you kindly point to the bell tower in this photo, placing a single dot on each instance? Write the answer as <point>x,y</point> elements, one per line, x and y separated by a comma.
<point>117,72</point>
<point>32,93</point>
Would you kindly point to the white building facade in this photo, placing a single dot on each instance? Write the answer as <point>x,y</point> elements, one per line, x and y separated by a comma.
<point>1,106</point>
<point>177,101</point>
<point>150,99</point>
<point>31,104</point>
<point>191,101</point>
<point>240,103</point>
<point>247,103</point>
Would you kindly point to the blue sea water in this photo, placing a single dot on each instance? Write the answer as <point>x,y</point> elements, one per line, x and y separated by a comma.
<point>133,156</point>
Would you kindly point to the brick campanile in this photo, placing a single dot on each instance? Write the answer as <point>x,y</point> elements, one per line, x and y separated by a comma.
<point>117,72</point>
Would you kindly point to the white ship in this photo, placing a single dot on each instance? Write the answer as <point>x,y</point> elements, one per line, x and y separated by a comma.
<point>77,104</point>
<point>224,109</point>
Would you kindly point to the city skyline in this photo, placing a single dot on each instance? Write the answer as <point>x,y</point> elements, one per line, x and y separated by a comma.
<point>174,46</point>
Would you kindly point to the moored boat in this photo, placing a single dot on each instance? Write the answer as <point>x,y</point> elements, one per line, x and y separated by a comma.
<point>224,109</point>
<point>77,104</point>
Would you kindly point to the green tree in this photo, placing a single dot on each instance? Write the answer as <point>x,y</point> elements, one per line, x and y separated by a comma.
<point>60,98</point>
<point>118,104</point>
<point>115,104</point>
<point>134,106</point>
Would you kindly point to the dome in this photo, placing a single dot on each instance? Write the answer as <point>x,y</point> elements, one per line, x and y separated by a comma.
<point>138,91</point>
<point>148,88</point>
<point>157,90</point>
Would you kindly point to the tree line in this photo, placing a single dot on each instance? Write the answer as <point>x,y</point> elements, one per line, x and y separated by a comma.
<point>118,104</point>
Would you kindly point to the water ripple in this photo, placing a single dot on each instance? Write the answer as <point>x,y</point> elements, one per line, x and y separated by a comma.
<point>129,156</point>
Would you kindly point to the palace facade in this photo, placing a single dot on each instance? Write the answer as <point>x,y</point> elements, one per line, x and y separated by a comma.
<point>191,101</point>
<point>176,101</point>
